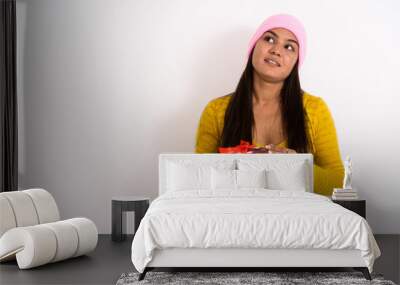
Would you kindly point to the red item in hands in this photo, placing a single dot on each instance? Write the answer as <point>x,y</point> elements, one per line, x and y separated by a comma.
<point>243,147</point>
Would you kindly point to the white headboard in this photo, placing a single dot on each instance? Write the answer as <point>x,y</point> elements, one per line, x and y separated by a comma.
<point>163,158</point>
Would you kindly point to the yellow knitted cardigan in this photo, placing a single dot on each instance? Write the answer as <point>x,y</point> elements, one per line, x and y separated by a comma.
<point>320,128</point>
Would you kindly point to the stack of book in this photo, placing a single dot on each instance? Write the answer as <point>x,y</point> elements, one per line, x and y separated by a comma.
<point>344,194</point>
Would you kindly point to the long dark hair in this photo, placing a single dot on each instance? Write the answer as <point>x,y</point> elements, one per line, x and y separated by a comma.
<point>239,118</point>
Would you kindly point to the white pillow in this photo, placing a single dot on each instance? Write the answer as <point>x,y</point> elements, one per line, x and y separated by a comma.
<point>189,173</point>
<point>251,178</point>
<point>294,179</point>
<point>281,174</point>
<point>237,179</point>
<point>223,179</point>
<point>188,177</point>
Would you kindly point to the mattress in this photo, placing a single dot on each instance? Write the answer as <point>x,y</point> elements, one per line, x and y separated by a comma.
<point>250,218</point>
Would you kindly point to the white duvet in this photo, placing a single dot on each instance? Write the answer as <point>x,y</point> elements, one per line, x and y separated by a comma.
<point>250,218</point>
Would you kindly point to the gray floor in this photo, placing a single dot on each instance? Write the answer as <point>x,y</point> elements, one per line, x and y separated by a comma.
<point>110,259</point>
<point>102,266</point>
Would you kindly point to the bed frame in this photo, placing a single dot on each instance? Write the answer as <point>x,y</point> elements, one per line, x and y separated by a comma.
<point>248,259</point>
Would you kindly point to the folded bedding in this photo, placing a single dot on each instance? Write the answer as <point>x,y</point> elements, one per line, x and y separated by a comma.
<point>250,218</point>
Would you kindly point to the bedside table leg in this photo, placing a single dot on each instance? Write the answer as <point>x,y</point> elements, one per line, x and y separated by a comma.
<point>116,221</point>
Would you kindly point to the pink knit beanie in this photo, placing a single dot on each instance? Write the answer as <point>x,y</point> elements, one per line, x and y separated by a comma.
<point>282,21</point>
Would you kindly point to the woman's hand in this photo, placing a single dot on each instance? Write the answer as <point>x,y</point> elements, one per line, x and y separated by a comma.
<point>278,149</point>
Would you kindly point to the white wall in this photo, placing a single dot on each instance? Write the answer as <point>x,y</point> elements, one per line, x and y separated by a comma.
<point>105,86</point>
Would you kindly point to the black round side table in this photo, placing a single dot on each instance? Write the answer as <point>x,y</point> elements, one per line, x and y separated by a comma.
<point>122,204</point>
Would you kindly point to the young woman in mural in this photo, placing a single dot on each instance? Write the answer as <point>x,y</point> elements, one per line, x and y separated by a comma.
<point>270,110</point>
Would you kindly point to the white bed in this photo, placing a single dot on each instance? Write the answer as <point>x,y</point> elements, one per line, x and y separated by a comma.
<point>250,226</point>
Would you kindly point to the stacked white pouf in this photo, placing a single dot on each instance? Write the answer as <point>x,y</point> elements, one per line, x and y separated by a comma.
<point>32,233</point>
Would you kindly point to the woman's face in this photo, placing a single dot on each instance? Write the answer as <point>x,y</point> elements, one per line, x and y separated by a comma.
<point>275,54</point>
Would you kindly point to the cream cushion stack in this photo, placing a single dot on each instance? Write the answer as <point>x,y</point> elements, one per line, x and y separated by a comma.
<point>31,231</point>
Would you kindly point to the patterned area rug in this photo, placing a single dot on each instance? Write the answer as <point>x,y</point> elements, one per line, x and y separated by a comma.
<point>225,278</point>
